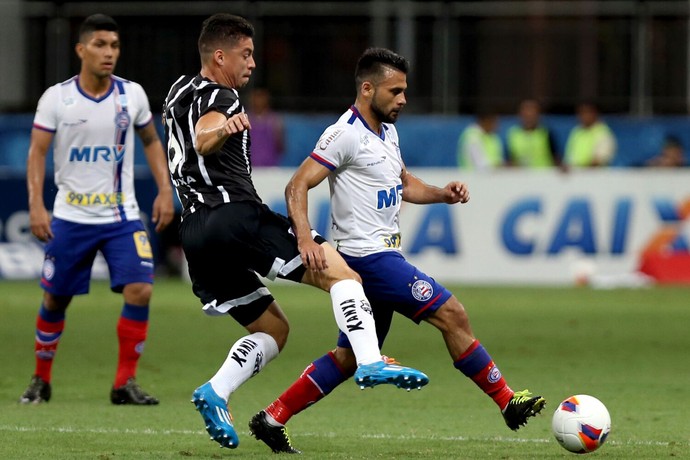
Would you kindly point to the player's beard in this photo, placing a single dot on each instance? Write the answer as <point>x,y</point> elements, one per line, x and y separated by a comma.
<point>390,117</point>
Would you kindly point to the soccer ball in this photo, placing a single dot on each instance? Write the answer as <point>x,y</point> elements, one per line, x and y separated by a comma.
<point>581,424</point>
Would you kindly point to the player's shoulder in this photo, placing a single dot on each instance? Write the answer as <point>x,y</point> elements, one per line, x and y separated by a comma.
<point>62,86</point>
<point>66,83</point>
<point>61,90</point>
<point>204,86</point>
<point>128,84</point>
<point>339,132</point>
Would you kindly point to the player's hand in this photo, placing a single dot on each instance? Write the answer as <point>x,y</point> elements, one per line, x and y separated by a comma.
<point>313,255</point>
<point>39,222</point>
<point>456,192</point>
<point>236,124</point>
<point>163,211</point>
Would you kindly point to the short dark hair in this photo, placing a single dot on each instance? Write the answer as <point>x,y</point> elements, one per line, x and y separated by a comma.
<point>373,61</point>
<point>97,22</point>
<point>222,28</point>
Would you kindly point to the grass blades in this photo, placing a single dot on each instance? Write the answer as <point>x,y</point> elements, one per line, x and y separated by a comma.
<point>629,348</point>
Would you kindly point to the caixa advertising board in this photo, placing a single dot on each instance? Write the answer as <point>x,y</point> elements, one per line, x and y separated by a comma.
<point>519,227</point>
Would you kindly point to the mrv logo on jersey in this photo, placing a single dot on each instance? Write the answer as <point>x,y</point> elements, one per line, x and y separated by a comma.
<point>94,153</point>
<point>390,197</point>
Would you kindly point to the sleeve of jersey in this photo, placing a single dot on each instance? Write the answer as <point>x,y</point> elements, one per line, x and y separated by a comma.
<point>143,115</point>
<point>46,111</point>
<point>218,99</point>
<point>335,147</point>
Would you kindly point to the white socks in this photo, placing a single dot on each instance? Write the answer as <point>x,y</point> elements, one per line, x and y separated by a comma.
<point>246,358</point>
<point>354,317</point>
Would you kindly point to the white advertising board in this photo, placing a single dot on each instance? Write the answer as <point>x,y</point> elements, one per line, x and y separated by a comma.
<point>520,226</point>
<point>528,226</point>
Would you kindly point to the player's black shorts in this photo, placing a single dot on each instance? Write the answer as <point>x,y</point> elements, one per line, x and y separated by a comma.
<point>226,245</point>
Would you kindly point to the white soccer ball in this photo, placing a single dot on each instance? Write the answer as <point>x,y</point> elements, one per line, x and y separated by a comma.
<point>581,424</point>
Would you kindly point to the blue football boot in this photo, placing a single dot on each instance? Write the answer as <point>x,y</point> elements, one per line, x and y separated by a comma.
<point>218,420</point>
<point>370,375</point>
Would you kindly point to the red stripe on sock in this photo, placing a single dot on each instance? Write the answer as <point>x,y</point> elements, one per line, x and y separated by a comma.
<point>469,350</point>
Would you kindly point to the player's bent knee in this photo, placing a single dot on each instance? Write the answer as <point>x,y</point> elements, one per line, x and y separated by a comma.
<point>56,303</point>
<point>138,293</point>
<point>274,323</point>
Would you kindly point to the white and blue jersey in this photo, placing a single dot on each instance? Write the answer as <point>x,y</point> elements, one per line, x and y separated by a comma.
<point>366,195</point>
<point>95,208</point>
<point>93,149</point>
<point>365,184</point>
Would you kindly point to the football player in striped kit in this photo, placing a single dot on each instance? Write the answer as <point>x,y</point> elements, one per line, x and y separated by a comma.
<point>91,120</point>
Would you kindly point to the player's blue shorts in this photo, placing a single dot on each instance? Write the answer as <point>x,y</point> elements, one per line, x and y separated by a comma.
<point>70,254</point>
<point>392,284</point>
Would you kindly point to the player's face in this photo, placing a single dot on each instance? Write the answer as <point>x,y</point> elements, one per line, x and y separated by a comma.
<point>99,52</point>
<point>238,62</point>
<point>389,96</point>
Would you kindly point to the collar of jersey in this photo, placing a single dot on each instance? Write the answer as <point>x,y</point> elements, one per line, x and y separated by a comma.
<point>356,114</point>
<point>110,90</point>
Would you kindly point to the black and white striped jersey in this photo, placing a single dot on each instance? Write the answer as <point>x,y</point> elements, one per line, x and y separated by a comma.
<point>213,179</point>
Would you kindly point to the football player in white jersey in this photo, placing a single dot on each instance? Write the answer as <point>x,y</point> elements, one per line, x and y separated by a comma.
<point>90,120</point>
<point>360,156</point>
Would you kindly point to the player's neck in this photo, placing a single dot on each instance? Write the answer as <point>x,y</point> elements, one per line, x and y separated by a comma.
<point>94,86</point>
<point>366,113</point>
<point>216,76</point>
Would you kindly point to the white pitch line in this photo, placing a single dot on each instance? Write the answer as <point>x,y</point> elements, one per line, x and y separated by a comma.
<point>153,432</point>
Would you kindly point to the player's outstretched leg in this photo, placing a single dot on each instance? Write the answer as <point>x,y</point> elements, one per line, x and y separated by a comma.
<point>274,436</point>
<point>370,375</point>
<point>522,406</point>
<point>217,418</point>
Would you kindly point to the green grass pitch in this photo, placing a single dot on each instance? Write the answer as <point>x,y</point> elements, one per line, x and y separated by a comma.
<point>629,348</point>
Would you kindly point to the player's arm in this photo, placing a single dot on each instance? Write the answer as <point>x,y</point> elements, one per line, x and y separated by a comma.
<point>308,175</point>
<point>39,218</point>
<point>417,191</point>
<point>213,129</point>
<point>163,211</point>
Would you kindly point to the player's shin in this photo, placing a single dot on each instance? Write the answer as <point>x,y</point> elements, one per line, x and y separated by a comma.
<point>318,380</point>
<point>354,317</point>
<point>246,358</point>
<point>476,363</point>
<point>132,328</point>
<point>49,327</point>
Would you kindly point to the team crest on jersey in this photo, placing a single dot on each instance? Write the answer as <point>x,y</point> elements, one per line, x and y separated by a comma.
<point>422,290</point>
<point>48,269</point>
<point>122,120</point>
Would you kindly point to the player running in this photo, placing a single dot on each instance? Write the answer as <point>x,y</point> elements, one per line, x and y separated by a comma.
<point>229,235</point>
<point>360,156</point>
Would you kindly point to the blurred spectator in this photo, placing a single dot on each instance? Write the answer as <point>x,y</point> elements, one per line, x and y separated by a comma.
<point>671,155</point>
<point>267,130</point>
<point>591,142</point>
<point>479,147</point>
<point>530,143</point>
